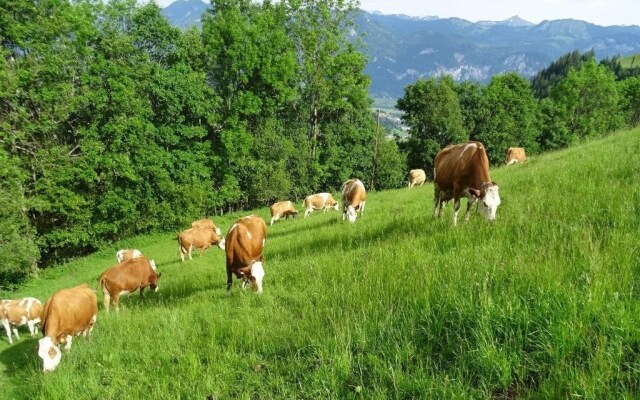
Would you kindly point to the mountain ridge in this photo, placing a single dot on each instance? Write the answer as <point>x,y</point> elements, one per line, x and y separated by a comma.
<point>403,48</point>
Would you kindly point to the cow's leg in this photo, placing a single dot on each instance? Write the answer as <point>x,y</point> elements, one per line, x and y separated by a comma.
<point>7,328</point>
<point>106,299</point>
<point>32,327</point>
<point>470,201</point>
<point>15,332</point>
<point>181,251</point>
<point>362,207</point>
<point>229,280</point>
<point>437,204</point>
<point>115,300</point>
<point>67,345</point>
<point>190,248</point>
<point>456,209</point>
<point>307,212</point>
<point>142,292</point>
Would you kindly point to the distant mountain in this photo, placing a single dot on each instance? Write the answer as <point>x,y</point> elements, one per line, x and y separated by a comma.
<point>402,49</point>
<point>185,13</point>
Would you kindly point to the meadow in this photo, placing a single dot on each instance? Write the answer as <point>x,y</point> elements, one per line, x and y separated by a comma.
<point>543,303</point>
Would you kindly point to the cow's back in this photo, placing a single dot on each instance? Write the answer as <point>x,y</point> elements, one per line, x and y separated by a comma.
<point>456,164</point>
<point>245,241</point>
<point>197,236</point>
<point>69,311</point>
<point>127,275</point>
<point>353,192</point>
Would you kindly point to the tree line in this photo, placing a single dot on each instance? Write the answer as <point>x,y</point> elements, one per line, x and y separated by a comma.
<point>114,123</point>
<point>574,99</point>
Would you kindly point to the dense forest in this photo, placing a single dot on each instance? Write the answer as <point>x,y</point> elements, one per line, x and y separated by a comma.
<point>113,123</point>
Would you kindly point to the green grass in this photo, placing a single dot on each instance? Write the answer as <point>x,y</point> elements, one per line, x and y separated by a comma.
<point>544,303</point>
<point>630,61</point>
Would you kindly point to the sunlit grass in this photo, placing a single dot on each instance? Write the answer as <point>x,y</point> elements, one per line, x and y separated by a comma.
<point>543,303</point>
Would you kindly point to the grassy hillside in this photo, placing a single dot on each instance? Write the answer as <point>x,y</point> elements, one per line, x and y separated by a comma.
<point>630,61</point>
<point>543,303</point>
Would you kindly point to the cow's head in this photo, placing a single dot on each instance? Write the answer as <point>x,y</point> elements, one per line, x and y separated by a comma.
<point>488,201</point>
<point>216,240</point>
<point>336,206</point>
<point>351,214</point>
<point>50,354</point>
<point>153,281</point>
<point>254,274</point>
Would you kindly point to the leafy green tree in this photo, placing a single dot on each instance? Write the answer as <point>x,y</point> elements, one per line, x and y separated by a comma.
<point>589,101</point>
<point>630,100</point>
<point>433,115</point>
<point>511,117</point>
<point>546,79</point>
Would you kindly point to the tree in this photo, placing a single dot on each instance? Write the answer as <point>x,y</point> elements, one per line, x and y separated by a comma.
<point>433,115</point>
<point>511,115</point>
<point>588,101</point>
<point>630,100</point>
<point>546,79</point>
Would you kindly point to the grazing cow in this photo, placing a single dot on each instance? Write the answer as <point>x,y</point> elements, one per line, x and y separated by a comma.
<point>416,177</point>
<point>283,209</point>
<point>206,223</point>
<point>128,254</point>
<point>463,170</point>
<point>68,313</point>
<point>15,313</point>
<point>354,197</point>
<point>127,277</point>
<point>244,244</point>
<point>515,155</point>
<point>198,238</point>
<point>319,201</point>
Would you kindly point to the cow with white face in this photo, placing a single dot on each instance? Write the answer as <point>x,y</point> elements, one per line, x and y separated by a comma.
<point>463,170</point>
<point>244,245</point>
<point>68,313</point>
<point>354,198</point>
<point>515,155</point>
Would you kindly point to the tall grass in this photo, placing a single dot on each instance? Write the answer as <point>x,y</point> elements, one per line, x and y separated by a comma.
<point>542,303</point>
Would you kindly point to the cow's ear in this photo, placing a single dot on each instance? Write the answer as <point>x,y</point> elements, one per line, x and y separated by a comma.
<point>494,184</point>
<point>159,275</point>
<point>475,192</point>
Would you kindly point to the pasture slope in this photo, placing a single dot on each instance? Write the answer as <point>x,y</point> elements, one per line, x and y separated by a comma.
<point>544,303</point>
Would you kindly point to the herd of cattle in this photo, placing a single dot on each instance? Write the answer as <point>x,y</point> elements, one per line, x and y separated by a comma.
<point>459,170</point>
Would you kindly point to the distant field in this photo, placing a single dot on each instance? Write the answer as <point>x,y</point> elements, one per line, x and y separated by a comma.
<point>630,61</point>
<point>544,303</point>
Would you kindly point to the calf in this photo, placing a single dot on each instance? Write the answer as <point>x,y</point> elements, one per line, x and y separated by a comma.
<point>197,238</point>
<point>319,201</point>
<point>463,170</point>
<point>127,277</point>
<point>206,223</point>
<point>354,197</point>
<point>282,209</point>
<point>416,177</point>
<point>515,155</point>
<point>15,313</point>
<point>68,313</point>
<point>128,254</point>
<point>244,244</point>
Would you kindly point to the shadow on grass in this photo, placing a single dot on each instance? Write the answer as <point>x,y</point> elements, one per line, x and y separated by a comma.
<point>21,356</point>
<point>298,227</point>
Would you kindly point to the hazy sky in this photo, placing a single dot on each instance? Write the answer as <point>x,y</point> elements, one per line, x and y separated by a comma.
<point>601,12</point>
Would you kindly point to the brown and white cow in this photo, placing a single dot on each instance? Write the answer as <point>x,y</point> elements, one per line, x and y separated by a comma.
<point>354,197</point>
<point>244,244</point>
<point>127,277</point>
<point>206,223</point>
<point>319,201</point>
<point>15,313</point>
<point>68,313</point>
<point>515,155</point>
<point>198,238</point>
<point>417,177</point>
<point>283,209</point>
<point>463,170</point>
<point>127,254</point>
